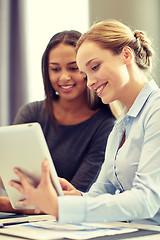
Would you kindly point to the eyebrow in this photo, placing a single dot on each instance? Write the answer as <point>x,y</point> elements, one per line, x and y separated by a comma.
<point>88,64</point>
<point>90,61</point>
<point>70,63</point>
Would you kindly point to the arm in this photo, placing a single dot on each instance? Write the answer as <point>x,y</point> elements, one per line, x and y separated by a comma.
<point>5,206</point>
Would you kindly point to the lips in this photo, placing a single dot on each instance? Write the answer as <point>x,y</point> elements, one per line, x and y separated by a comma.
<point>67,86</point>
<point>100,88</point>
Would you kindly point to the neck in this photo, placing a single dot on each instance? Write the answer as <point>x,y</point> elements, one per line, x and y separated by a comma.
<point>72,105</point>
<point>136,83</point>
<point>70,112</point>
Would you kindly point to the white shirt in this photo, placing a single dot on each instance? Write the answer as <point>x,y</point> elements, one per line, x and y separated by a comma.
<point>133,170</point>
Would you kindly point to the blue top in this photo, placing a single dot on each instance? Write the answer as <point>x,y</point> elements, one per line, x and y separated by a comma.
<point>128,186</point>
<point>77,150</point>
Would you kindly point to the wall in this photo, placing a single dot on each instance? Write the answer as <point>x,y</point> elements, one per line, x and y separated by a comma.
<point>4,61</point>
<point>139,14</point>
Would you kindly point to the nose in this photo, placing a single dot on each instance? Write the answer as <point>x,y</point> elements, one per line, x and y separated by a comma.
<point>65,76</point>
<point>90,83</point>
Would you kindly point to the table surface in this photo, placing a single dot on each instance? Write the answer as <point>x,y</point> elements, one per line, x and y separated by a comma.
<point>147,237</point>
<point>146,232</point>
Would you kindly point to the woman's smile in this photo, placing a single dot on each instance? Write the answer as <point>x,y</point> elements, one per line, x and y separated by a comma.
<point>67,88</point>
<point>99,90</point>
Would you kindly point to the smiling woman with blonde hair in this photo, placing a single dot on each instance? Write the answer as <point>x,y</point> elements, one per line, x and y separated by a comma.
<point>116,63</point>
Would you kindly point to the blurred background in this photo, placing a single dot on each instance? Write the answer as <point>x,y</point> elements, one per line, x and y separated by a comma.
<point>26,26</point>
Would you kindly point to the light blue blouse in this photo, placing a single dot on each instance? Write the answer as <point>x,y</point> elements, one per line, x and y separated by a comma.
<point>128,186</point>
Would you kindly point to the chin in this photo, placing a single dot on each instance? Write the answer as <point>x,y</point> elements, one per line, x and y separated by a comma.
<point>105,101</point>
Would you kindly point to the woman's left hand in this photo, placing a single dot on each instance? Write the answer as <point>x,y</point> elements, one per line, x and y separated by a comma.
<point>43,197</point>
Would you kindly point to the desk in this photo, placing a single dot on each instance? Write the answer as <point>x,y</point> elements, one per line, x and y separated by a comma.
<point>146,232</point>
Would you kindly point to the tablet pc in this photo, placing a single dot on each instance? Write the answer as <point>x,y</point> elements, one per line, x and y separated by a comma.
<point>24,146</point>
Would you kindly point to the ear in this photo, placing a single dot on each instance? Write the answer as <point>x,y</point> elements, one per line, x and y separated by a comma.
<point>127,54</point>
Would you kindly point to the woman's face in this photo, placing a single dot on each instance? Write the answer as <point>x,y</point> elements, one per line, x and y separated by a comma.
<point>64,74</point>
<point>106,72</point>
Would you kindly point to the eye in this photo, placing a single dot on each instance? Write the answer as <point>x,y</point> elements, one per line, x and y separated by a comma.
<point>96,67</point>
<point>55,69</point>
<point>73,68</point>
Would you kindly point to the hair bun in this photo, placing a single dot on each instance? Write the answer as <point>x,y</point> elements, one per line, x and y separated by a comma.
<point>142,38</point>
<point>138,34</point>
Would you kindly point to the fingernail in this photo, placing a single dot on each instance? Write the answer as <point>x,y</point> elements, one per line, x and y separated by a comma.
<point>45,163</point>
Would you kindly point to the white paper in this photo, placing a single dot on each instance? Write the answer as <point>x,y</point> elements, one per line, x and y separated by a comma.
<point>47,230</point>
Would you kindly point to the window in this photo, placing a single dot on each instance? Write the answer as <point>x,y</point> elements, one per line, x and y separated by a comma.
<point>44,18</point>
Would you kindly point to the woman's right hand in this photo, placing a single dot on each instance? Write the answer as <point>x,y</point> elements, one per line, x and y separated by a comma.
<point>43,196</point>
<point>68,188</point>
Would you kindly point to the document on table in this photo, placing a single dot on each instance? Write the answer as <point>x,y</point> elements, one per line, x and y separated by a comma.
<point>47,230</point>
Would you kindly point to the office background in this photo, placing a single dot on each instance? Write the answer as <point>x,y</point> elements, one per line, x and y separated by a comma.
<point>27,25</point>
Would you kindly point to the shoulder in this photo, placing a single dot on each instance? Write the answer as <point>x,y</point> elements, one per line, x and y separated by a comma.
<point>37,109</point>
<point>146,110</point>
<point>30,112</point>
<point>152,105</point>
<point>33,106</point>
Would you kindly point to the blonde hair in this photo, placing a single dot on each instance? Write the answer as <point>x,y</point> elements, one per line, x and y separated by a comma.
<point>114,35</point>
